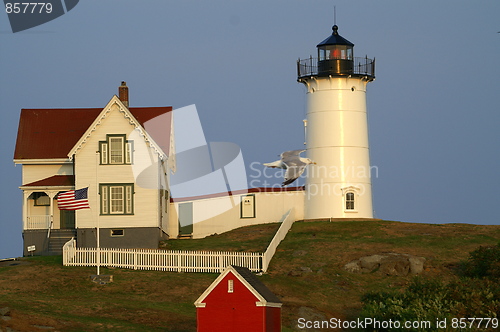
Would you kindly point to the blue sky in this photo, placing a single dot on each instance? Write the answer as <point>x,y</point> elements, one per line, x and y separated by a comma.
<point>433,108</point>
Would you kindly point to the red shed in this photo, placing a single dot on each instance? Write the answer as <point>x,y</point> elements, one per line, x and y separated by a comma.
<point>238,301</point>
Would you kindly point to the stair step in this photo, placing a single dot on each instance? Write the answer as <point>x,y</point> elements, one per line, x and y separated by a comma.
<point>185,236</point>
<point>58,238</point>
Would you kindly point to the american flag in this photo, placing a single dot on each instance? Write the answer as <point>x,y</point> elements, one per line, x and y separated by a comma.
<point>73,200</point>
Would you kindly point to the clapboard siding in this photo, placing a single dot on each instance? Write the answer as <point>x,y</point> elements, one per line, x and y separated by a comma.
<point>91,174</point>
<point>32,173</point>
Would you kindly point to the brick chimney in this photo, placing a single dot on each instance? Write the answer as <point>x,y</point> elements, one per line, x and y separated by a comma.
<point>123,93</point>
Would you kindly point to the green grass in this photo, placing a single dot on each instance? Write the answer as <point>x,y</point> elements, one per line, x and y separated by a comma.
<point>251,238</point>
<point>44,292</point>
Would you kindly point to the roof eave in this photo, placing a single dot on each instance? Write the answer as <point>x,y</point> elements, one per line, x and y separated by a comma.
<point>51,161</point>
<point>268,304</point>
<point>59,188</point>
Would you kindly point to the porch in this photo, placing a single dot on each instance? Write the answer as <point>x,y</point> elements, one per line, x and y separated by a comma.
<point>45,227</point>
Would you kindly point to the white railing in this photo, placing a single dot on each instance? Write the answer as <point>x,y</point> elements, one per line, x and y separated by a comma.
<point>161,260</point>
<point>38,222</point>
<point>286,223</point>
<point>176,260</point>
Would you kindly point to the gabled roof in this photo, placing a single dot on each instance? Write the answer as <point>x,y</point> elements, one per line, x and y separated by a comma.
<point>162,134</point>
<point>253,284</point>
<point>256,284</point>
<point>52,133</point>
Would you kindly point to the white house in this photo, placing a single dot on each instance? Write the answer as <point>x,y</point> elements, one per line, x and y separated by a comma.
<point>65,149</point>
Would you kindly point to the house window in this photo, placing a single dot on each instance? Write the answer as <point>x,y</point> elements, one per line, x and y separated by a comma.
<point>349,201</point>
<point>230,286</point>
<point>116,150</point>
<point>41,199</point>
<point>117,199</point>
<point>117,232</point>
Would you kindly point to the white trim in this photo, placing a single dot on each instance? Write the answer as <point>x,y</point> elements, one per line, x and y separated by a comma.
<point>353,190</point>
<point>54,161</point>
<point>127,114</point>
<point>58,188</point>
<point>268,304</point>
<point>200,304</point>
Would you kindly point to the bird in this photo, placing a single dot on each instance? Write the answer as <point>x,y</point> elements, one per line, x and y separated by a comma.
<point>294,164</point>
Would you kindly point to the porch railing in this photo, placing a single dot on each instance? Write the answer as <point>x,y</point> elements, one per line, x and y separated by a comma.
<point>38,222</point>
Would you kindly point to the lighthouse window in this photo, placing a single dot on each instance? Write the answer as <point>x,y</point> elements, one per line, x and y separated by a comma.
<point>324,54</point>
<point>349,201</point>
<point>331,52</point>
<point>349,53</point>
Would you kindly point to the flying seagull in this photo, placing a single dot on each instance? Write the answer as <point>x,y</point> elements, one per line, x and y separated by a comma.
<point>293,163</point>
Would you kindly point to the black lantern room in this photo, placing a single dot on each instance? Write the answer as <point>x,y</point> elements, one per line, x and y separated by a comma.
<point>336,58</point>
<point>335,55</point>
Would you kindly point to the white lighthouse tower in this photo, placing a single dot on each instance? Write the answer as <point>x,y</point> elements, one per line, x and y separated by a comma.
<point>339,185</point>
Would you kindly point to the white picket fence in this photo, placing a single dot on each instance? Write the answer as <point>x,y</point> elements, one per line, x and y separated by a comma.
<point>175,260</point>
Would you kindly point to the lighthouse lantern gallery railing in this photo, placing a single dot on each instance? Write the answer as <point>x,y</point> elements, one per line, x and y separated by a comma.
<point>358,66</point>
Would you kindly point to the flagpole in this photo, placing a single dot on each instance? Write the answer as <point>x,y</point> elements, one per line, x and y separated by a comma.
<point>98,251</point>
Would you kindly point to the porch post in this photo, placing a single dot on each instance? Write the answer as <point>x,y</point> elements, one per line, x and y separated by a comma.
<point>51,195</point>
<point>26,195</point>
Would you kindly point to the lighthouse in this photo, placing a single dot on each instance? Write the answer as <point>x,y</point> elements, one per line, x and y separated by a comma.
<point>339,185</point>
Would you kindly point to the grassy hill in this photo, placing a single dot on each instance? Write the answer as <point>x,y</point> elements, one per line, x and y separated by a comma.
<point>306,273</point>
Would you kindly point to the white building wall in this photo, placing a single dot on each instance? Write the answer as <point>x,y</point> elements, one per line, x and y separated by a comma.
<point>32,173</point>
<point>222,214</point>
<point>90,173</point>
<point>337,140</point>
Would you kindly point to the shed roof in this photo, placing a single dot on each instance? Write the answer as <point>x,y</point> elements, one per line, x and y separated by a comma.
<point>53,181</point>
<point>52,133</point>
<point>257,284</point>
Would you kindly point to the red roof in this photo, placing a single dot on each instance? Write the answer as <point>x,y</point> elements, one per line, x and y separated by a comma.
<point>237,192</point>
<point>52,133</point>
<point>54,181</point>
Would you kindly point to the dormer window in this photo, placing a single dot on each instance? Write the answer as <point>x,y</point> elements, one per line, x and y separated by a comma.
<point>116,150</point>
